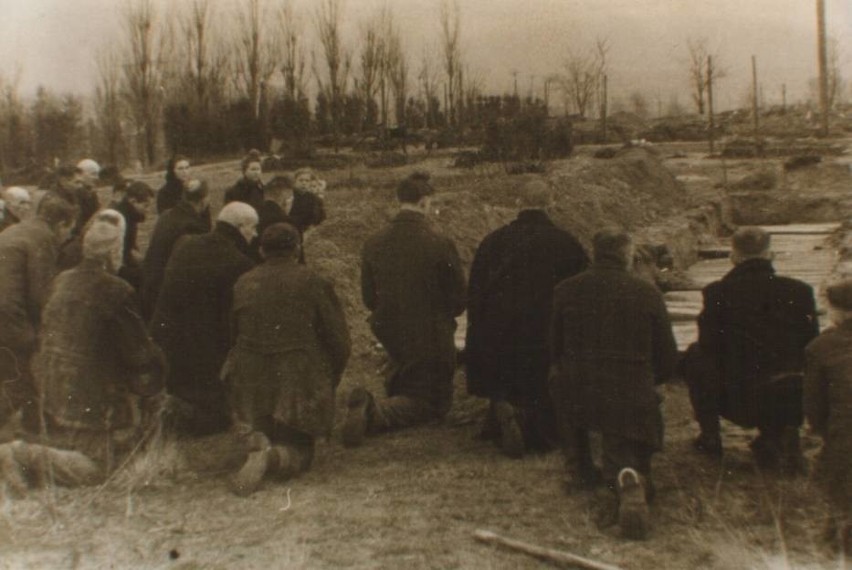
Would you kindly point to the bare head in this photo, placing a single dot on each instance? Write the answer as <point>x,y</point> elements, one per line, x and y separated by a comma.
<point>415,191</point>
<point>278,189</point>
<point>303,179</point>
<point>241,216</point>
<point>140,196</point>
<point>90,171</point>
<point>18,202</point>
<point>840,301</point>
<point>614,245</point>
<point>104,239</point>
<point>59,214</point>
<point>280,240</point>
<point>251,165</point>
<point>536,194</point>
<point>750,243</point>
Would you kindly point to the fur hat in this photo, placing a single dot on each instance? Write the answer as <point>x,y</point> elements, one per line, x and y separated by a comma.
<point>840,295</point>
<point>414,187</point>
<point>104,238</point>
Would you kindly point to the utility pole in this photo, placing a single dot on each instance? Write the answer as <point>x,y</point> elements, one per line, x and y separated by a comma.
<point>822,52</point>
<point>755,107</point>
<point>603,107</point>
<point>710,102</point>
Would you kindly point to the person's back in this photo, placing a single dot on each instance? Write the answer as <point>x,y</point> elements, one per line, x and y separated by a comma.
<point>190,320</point>
<point>186,218</point>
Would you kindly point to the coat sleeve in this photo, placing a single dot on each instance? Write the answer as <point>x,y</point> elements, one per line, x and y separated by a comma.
<point>332,329</point>
<point>452,281</point>
<point>368,284</point>
<point>815,392</point>
<point>41,269</point>
<point>478,280</point>
<point>664,345</point>
<point>556,333</point>
<point>710,325</point>
<point>808,326</point>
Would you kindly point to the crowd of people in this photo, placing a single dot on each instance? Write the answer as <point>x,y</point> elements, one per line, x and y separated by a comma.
<point>223,327</point>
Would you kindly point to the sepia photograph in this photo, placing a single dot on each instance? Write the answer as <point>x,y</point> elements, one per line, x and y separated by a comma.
<point>426,284</point>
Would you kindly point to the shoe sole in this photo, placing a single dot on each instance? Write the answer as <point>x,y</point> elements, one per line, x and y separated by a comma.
<point>247,480</point>
<point>633,513</point>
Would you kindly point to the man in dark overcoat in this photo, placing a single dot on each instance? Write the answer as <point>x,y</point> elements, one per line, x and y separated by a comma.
<point>186,218</point>
<point>94,360</point>
<point>612,344</point>
<point>413,284</point>
<point>828,407</point>
<point>748,362</point>
<point>28,253</point>
<point>510,297</point>
<point>291,344</point>
<point>190,321</point>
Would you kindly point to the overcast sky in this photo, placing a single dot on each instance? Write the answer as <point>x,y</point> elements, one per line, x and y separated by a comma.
<point>53,42</point>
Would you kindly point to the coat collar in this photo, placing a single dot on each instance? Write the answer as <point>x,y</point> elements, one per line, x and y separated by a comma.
<point>751,267</point>
<point>129,212</point>
<point>609,264</point>
<point>228,232</point>
<point>410,216</point>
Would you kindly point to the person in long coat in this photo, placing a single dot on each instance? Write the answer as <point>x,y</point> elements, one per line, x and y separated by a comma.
<point>510,298</point>
<point>28,254</point>
<point>413,283</point>
<point>291,344</point>
<point>186,218</point>
<point>306,207</point>
<point>828,407</point>
<point>190,321</point>
<point>249,188</point>
<point>612,344</point>
<point>178,176</point>
<point>94,359</point>
<point>748,362</point>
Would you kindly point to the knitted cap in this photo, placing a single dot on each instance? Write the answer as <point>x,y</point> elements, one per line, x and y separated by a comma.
<point>104,238</point>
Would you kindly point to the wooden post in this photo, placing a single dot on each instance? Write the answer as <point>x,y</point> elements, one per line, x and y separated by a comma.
<point>604,107</point>
<point>710,103</point>
<point>822,52</point>
<point>755,106</point>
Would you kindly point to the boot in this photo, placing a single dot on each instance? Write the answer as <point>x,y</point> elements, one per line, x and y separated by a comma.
<point>247,480</point>
<point>11,475</point>
<point>357,417</point>
<point>511,436</point>
<point>634,517</point>
<point>285,462</point>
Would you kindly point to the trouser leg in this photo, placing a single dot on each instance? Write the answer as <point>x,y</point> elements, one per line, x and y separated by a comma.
<point>705,390</point>
<point>579,462</point>
<point>397,412</point>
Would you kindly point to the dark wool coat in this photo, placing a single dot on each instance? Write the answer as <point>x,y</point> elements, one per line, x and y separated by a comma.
<point>828,407</point>
<point>247,191</point>
<point>612,342</point>
<point>269,213</point>
<point>94,348</point>
<point>291,344</point>
<point>27,265</point>
<point>413,283</point>
<point>169,195</point>
<point>510,298</point>
<point>191,318</point>
<point>754,325</point>
<point>178,221</point>
<point>306,210</point>
<point>7,220</point>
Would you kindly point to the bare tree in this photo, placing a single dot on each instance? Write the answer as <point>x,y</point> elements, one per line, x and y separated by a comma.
<point>835,77</point>
<point>639,104</point>
<point>698,71</point>
<point>397,70</point>
<point>450,35</point>
<point>293,55</point>
<point>12,140</point>
<point>581,79</point>
<point>108,98</point>
<point>337,60</point>
<point>258,52</point>
<point>428,77</point>
<point>206,60</point>
<point>143,73</point>
<point>372,60</point>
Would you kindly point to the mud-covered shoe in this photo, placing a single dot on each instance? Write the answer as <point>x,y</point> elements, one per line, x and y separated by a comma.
<point>247,480</point>
<point>357,417</point>
<point>634,518</point>
<point>511,436</point>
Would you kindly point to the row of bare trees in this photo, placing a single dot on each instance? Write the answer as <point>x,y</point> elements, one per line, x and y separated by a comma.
<point>189,67</point>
